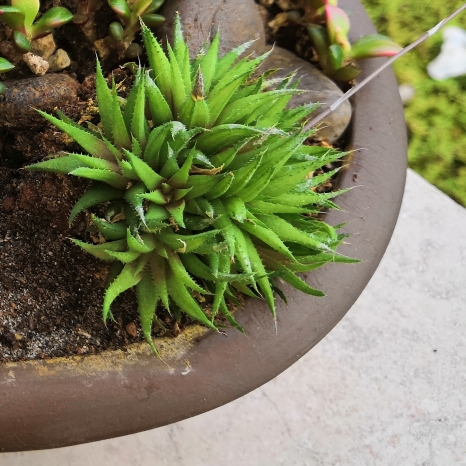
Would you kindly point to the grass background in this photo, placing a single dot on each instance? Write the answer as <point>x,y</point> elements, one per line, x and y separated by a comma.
<point>436,116</point>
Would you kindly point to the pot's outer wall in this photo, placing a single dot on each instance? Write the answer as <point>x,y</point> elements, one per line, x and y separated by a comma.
<point>45,407</point>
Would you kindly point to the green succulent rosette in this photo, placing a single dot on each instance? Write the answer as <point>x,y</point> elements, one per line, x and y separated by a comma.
<point>205,179</point>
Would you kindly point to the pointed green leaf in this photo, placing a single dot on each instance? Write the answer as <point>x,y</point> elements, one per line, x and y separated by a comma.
<point>176,210</point>
<point>224,136</point>
<point>208,63</point>
<point>222,186</point>
<point>196,267</point>
<point>229,316</point>
<point>241,252</point>
<point>238,111</point>
<point>126,280</point>
<point>64,165</point>
<point>257,184</point>
<point>134,197</point>
<point>289,233</point>
<point>179,92</point>
<point>125,257</point>
<point>235,208</point>
<point>87,141</point>
<point>219,97</point>
<point>290,118</point>
<point>242,177</point>
<point>200,185</point>
<point>261,207</point>
<point>181,297</point>
<point>149,177</point>
<point>147,297</point>
<point>160,110</point>
<point>287,178</point>
<point>180,178</point>
<point>132,98</point>
<point>110,231</point>
<point>157,197</point>
<point>105,103</point>
<point>261,274</point>
<point>105,176</point>
<point>140,244</point>
<point>158,268</point>
<point>182,275</point>
<point>139,127</point>
<point>158,62</point>
<point>226,62</point>
<point>297,282</point>
<point>96,194</point>
<point>93,162</point>
<point>100,250</point>
<point>266,235</point>
<point>186,243</point>
<point>157,138</point>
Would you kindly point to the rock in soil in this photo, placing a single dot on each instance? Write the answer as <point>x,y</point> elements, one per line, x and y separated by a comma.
<point>46,93</point>
<point>238,22</point>
<point>320,90</point>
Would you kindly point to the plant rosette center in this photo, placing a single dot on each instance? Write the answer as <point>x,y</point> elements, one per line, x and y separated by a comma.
<point>203,176</point>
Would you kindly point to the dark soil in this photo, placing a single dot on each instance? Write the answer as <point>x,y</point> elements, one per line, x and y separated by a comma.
<point>50,290</point>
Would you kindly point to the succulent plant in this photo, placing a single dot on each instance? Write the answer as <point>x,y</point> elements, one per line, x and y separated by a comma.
<point>130,13</point>
<point>202,184</point>
<point>5,66</point>
<point>328,27</point>
<point>20,15</point>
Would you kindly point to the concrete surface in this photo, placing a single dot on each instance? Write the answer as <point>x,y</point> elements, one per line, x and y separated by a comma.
<point>386,387</point>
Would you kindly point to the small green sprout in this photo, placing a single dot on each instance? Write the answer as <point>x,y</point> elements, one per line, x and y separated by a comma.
<point>130,13</point>
<point>5,66</point>
<point>20,16</point>
<point>202,182</point>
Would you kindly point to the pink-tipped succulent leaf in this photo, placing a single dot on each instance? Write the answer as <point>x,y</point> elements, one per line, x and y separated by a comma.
<point>374,45</point>
<point>50,20</point>
<point>121,8</point>
<point>338,26</point>
<point>13,17</point>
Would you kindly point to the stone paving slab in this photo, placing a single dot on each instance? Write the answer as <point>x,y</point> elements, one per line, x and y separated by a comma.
<point>386,387</point>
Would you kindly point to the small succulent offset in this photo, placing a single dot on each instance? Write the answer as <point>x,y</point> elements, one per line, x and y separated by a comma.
<point>20,15</point>
<point>130,12</point>
<point>328,27</point>
<point>202,184</point>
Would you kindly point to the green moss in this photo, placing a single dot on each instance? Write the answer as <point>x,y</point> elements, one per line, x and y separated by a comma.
<point>436,117</point>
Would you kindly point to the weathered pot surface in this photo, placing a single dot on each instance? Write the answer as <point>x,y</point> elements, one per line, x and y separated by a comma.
<point>54,403</point>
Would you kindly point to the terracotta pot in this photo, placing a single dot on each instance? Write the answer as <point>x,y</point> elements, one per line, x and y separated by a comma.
<point>54,403</point>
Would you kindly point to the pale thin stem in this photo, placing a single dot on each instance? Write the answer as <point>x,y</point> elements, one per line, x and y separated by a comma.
<point>358,86</point>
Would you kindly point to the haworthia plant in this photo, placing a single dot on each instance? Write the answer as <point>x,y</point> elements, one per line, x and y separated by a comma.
<point>204,176</point>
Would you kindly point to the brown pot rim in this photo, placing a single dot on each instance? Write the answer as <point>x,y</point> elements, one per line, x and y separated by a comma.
<point>55,403</point>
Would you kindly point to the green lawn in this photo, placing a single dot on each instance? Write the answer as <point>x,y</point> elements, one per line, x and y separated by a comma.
<point>436,116</point>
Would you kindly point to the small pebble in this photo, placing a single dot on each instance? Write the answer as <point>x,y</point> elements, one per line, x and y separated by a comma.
<point>59,60</point>
<point>36,64</point>
<point>132,330</point>
<point>44,47</point>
